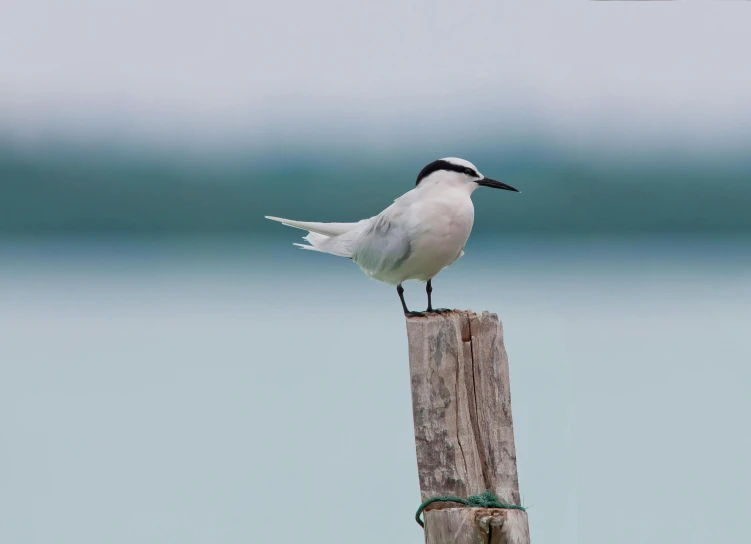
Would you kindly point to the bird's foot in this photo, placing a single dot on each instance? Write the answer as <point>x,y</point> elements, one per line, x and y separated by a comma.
<point>414,314</point>
<point>442,310</point>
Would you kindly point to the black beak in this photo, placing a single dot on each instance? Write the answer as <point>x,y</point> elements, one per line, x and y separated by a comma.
<point>487,182</point>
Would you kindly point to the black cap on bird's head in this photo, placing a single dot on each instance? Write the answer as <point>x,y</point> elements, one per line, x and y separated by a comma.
<point>460,166</point>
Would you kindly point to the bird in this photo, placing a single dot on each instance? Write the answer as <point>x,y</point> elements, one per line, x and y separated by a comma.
<point>421,233</point>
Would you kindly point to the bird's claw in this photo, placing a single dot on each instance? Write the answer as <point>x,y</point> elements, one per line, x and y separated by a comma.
<point>414,314</point>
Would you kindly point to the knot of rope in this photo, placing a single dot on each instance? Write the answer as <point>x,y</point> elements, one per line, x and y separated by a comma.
<point>487,499</point>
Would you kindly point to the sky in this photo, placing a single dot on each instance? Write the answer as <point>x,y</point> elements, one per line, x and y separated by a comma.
<point>217,71</point>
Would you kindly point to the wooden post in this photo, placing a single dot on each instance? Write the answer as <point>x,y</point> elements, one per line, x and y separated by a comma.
<point>464,431</point>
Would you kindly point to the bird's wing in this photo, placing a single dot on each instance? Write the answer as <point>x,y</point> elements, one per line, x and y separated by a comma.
<point>384,243</point>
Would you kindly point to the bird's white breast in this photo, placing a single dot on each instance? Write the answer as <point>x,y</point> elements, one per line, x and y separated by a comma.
<point>443,220</point>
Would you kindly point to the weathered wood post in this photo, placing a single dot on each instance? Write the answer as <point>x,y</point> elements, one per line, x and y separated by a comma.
<point>464,431</point>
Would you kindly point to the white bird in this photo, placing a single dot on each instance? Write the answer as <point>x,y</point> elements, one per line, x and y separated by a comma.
<point>420,234</point>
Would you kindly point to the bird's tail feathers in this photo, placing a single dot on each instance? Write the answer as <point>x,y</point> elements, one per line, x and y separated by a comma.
<point>333,238</point>
<point>327,229</point>
<point>341,245</point>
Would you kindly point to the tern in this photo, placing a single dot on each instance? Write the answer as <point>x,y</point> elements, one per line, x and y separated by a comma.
<point>421,233</point>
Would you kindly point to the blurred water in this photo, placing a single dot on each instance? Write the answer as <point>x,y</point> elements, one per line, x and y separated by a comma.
<point>236,392</point>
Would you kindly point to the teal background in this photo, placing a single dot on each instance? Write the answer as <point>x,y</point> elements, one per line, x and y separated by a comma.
<point>59,190</point>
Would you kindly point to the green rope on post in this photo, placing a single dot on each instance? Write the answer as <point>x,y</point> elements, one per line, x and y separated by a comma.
<point>487,499</point>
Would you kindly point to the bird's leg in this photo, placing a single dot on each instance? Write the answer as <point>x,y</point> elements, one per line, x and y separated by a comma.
<point>400,290</point>
<point>429,290</point>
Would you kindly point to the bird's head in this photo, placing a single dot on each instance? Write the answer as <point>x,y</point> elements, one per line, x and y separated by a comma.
<point>457,172</point>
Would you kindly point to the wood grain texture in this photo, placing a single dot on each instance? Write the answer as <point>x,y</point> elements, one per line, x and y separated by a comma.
<point>476,526</point>
<point>493,401</point>
<point>464,431</point>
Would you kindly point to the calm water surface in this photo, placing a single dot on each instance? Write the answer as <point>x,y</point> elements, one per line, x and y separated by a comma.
<point>240,393</point>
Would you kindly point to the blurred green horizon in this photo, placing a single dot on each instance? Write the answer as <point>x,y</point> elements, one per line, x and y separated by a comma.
<point>80,189</point>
